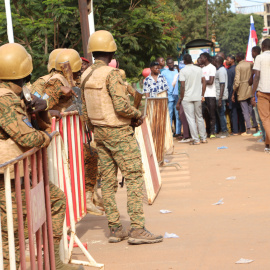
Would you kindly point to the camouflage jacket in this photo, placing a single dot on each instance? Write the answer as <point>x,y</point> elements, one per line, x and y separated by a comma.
<point>51,91</point>
<point>14,122</point>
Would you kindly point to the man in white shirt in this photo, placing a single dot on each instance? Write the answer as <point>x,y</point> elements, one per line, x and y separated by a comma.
<point>261,84</point>
<point>193,86</point>
<point>209,72</point>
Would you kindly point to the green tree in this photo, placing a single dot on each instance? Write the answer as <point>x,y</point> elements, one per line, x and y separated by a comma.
<point>234,39</point>
<point>143,30</point>
<point>42,26</point>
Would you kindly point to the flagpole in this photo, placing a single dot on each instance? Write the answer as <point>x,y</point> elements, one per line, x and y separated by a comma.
<point>9,22</point>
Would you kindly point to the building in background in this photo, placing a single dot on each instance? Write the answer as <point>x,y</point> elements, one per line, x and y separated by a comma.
<point>262,9</point>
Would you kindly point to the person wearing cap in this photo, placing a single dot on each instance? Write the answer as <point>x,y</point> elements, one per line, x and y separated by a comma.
<point>85,64</point>
<point>107,108</point>
<point>17,135</point>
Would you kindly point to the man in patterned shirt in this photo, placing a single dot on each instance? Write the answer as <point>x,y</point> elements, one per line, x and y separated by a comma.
<point>155,83</point>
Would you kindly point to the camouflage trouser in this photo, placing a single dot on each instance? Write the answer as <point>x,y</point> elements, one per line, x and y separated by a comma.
<point>58,210</point>
<point>90,167</point>
<point>117,148</point>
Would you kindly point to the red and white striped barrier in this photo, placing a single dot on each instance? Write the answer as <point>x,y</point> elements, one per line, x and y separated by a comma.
<point>68,174</point>
<point>38,208</point>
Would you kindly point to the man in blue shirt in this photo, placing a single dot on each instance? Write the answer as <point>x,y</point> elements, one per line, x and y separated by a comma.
<point>173,95</point>
<point>155,82</point>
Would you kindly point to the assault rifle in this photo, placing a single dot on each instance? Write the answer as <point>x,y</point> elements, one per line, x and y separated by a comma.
<point>77,101</point>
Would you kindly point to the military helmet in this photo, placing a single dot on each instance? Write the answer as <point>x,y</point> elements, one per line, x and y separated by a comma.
<point>101,41</point>
<point>16,62</point>
<point>52,57</point>
<point>70,55</point>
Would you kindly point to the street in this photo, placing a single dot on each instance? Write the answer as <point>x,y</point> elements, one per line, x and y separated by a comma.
<point>211,237</point>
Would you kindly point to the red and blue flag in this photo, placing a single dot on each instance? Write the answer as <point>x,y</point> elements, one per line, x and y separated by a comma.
<point>252,41</point>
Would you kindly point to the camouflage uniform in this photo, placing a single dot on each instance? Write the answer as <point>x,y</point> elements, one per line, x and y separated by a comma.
<point>14,124</point>
<point>117,148</point>
<point>90,167</point>
<point>51,90</point>
<point>37,88</point>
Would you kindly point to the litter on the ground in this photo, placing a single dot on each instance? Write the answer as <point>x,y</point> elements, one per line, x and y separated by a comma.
<point>165,211</point>
<point>231,178</point>
<point>222,147</point>
<point>244,261</point>
<point>170,235</point>
<point>219,202</point>
<point>166,161</point>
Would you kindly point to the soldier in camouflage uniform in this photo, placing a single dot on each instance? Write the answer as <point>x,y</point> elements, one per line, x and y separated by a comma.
<point>15,127</point>
<point>56,90</point>
<point>37,87</point>
<point>107,107</point>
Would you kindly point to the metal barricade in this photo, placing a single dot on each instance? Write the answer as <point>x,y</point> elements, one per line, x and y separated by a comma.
<point>66,164</point>
<point>151,173</point>
<point>38,209</point>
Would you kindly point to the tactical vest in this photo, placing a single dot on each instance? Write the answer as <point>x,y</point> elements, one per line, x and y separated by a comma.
<point>64,102</point>
<point>9,148</point>
<point>99,104</point>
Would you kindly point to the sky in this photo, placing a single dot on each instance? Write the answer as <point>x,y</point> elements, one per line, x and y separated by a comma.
<point>246,3</point>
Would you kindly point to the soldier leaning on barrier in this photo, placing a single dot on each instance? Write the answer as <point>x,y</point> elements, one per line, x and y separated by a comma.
<point>17,135</point>
<point>107,106</point>
<point>56,90</point>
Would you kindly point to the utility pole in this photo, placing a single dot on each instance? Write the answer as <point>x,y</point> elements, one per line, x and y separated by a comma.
<point>84,28</point>
<point>207,30</point>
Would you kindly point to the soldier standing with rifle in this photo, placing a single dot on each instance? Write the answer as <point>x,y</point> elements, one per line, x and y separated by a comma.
<point>17,135</point>
<point>59,92</point>
<point>107,106</point>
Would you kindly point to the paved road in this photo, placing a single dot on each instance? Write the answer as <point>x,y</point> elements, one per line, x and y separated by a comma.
<point>210,237</point>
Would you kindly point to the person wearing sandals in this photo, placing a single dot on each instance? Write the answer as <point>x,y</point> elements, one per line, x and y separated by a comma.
<point>193,85</point>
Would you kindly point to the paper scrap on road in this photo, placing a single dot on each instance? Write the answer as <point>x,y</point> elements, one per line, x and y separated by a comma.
<point>231,178</point>
<point>166,161</point>
<point>219,202</point>
<point>222,147</point>
<point>170,235</point>
<point>165,211</point>
<point>244,261</point>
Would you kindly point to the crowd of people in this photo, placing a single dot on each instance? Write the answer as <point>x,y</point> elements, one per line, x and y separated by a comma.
<point>217,96</point>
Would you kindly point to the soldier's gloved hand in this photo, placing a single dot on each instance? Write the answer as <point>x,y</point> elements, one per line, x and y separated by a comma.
<point>37,104</point>
<point>56,114</point>
<point>67,91</point>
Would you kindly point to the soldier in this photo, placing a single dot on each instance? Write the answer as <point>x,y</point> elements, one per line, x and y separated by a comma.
<point>15,70</point>
<point>37,87</point>
<point>57,92</point>
<point>107,106</point>
<point>57,89</point>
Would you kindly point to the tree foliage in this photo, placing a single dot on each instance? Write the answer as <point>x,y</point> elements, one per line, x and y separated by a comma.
<point>143,29</point>
<point>234,39</point>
